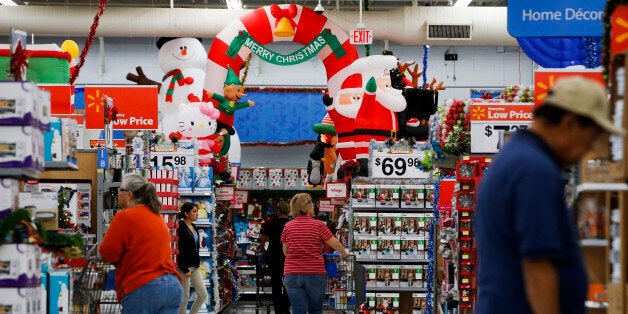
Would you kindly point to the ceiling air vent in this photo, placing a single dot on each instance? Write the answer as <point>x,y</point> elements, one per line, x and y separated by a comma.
<point>449,31</point>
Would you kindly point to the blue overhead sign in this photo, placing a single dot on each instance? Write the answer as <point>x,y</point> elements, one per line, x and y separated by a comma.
<point>555,18</point>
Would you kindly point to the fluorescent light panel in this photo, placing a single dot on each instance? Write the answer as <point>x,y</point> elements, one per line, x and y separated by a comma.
<point>462,3</point>
<point>8,2</point>
<point>234,5</point>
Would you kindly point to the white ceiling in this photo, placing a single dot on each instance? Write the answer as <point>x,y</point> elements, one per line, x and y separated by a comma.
<point>329,5</point>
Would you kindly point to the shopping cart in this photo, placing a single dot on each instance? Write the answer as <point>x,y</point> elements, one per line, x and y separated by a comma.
<point>94,290</point>
<point>263,296</point>
<point>340,291</point>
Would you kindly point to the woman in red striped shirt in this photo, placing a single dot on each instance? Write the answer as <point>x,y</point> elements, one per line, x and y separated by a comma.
<point>304,270</point>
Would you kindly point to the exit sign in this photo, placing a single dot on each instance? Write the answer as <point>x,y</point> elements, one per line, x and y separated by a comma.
<point>361,37</point>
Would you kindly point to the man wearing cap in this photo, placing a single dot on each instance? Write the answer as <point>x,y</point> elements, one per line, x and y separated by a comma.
<point>529,259</point>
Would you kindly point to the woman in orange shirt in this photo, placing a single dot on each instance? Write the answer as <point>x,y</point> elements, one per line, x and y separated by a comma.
<point>138,244</point>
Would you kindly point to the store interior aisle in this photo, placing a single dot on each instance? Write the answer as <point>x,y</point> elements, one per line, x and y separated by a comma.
<point>248,307</point>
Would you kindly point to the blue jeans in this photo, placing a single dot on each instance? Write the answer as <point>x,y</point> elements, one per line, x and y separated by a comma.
<point>163,295</point>
<point>306,292</point>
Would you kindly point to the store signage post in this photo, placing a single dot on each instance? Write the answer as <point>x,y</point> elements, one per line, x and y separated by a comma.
<point>397,165</point>
<point>543,80</point>
<point>361,36</point>
<point>490,122</point>
<point>555,18</point>
<point>136,105</point>
<point>336,190</point>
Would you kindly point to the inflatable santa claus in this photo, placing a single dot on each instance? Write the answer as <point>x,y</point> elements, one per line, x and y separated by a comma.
<point>376,119</point>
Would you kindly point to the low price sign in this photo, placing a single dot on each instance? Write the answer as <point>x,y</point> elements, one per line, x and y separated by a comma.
<point>489,123</point>
<point>136,105</point>
<point>404,165</point>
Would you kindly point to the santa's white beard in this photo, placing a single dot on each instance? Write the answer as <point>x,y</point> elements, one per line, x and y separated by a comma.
<point>349,110</point>
<point>393,101</point>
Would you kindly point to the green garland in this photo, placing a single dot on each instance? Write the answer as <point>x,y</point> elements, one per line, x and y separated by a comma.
<point>606,38</point>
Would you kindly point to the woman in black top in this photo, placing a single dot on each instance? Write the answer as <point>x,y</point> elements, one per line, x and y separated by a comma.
<point>274,257</point>
<point>188,260</point>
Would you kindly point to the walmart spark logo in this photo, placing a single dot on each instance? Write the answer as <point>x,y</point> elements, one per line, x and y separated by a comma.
<point>478,113</point>
<point>95,100</point>
<point>542,88</point>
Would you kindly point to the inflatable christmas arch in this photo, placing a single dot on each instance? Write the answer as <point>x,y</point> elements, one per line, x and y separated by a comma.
<point>286,22</point>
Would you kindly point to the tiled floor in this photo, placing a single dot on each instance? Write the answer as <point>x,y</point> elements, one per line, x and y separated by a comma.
<point>248,307</point>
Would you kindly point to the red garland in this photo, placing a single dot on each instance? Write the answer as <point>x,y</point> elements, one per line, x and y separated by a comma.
<point>88,41</point>
<point>297,143</point>
<point>19,60</point>
<point>284,89</point>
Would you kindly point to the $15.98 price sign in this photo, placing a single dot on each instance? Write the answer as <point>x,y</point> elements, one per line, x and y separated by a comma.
<point>397,165</point>
<point>171,159</point>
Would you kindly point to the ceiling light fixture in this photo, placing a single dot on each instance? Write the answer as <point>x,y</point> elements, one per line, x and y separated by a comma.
<point>8,2</point>
<point>319,8</point>
<point>234,5</point>
<point>462,3</point>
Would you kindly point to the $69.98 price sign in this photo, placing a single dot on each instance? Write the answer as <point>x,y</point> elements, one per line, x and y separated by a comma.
<point>397,165</point>
<point>171,159</point>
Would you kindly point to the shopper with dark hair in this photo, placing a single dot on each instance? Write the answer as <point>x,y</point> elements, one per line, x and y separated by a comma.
<point>529,259</point>
<point>138,244</point>
<point>188,260</point>
<point>304,270</point>
<point>274,257</point>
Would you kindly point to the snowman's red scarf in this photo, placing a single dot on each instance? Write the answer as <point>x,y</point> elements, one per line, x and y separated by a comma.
<point>177,77</point>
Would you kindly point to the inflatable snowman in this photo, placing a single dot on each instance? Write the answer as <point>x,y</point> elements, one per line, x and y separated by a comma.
<point>183,61</point>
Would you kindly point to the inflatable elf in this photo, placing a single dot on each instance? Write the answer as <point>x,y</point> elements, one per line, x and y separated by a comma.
<point>229,102</point>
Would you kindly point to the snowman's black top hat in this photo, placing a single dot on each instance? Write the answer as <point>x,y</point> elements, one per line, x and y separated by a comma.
<point>162,40</point>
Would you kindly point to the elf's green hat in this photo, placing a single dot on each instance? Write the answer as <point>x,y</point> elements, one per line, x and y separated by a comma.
<point>232,78</point>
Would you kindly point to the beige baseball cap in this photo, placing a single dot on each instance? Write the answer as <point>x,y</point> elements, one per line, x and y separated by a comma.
<point>584,97</point>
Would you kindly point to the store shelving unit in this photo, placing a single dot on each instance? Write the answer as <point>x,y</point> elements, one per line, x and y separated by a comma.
<point>106,204</point>
<point>604,189</point>
<point>362,218</point>
<point>60,165</point>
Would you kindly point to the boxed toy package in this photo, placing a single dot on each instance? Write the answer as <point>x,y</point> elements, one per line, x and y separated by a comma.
<point>365,223</point>
<point>186,179</point>
<point>411,276</point>
<point>410,223</point>
<point>419,303</point>
<point>387,196</point>
<point>365,247</point>
<point>429,196</point>
<point>387,302</point>
<point>388,276</point>
<point>389,223</point>
<point>203,179</point>
<point>363,196</point>
<point>388,247</point>
<point>412,196</point>
<point>413,248</point>
<point>371,275</point>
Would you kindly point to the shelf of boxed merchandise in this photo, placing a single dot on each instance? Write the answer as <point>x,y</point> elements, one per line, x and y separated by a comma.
<point>390,238</point>
<point>60,165</point>
<point>602,198</point>
<point>24,118</point>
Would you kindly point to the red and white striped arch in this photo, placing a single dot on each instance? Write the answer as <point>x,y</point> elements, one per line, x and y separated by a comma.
<point>260,24</point>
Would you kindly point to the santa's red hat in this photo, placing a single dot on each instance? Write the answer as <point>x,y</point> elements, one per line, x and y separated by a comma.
<point>353,81</point>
